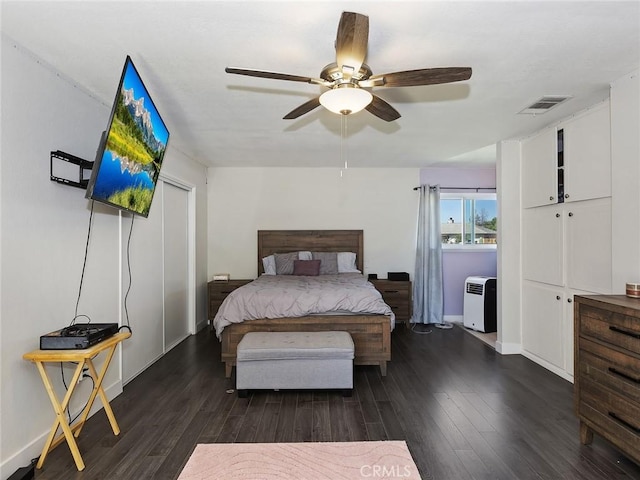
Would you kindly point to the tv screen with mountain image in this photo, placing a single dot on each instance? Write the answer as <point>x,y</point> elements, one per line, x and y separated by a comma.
<point>131,150</point>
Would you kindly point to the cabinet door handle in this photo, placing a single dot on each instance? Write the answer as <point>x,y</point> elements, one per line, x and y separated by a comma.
<point>551,198</point>
<point>571,214</point>
<point>624,375</point>
<point>624,332</point>
<point>557,297</point>
<point>557,215</point>
<point>569,300</point>
<point>624,422</point>
<point>566,195</point>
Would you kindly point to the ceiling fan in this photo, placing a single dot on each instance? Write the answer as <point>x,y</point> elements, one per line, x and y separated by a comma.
<point>348,77</point>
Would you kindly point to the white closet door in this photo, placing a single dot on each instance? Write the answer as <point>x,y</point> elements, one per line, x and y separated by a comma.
<point>145,316</point>
<point>176,264</point>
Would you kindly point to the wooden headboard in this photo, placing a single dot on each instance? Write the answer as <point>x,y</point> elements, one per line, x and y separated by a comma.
<point>284,241</point>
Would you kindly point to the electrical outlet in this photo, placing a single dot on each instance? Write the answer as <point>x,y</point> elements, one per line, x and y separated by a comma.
<point>85,374</point>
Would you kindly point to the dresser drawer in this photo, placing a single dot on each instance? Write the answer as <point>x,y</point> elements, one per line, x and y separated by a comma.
<point>616,418</point>
<point>610,368</point>
<point>607,370</point>
<point>611,327</point>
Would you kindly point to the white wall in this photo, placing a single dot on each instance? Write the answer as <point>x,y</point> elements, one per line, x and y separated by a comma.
<point>380,201</point>
<point>509,252</point>
<point>625,180</point>
<point>44,230</point>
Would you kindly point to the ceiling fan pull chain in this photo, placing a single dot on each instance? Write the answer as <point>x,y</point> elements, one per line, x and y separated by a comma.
<point>346,156</point>
<point>343,134</point>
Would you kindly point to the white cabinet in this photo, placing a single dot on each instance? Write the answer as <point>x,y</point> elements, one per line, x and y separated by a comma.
<point>588,155</point>
<point>547,327</point>
<point>568,322</point>
<point>581,171</point>
<point>566,244</point>
<point>539,158</point>
<point>542,241</point>
<point>543,311</point>
<point>588,249</point>
<point>569,245</point>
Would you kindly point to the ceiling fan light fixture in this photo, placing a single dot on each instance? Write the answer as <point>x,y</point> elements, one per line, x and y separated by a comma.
<point>345,99</point>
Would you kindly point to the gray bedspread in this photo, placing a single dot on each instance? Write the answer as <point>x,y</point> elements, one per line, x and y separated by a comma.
<point>278,296</point>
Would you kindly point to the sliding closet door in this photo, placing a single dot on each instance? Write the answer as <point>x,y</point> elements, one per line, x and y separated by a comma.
<point>142,300</point>
<point>158,303</point>
<point>176,264</point>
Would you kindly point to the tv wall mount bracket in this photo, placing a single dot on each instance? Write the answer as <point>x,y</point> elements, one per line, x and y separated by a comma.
<point>84,166</point>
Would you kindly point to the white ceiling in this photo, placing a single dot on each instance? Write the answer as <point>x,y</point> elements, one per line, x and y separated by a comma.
<point>519,52</point>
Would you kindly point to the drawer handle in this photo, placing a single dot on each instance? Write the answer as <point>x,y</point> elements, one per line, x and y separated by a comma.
<point>624,332</point>
<point>391,291</point>
<point>624,422</point>
<point>626,376</point>
<point>226,292</point>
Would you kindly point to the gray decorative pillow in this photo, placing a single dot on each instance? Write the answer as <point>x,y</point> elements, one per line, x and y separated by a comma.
<point>284,262</point>
<point>328,262</point>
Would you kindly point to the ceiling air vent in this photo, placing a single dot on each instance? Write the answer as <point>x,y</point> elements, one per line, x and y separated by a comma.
<point>544,104</point>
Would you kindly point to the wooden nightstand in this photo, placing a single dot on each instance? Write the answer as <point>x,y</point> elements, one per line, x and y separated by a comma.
<point>218,291</point>
<point>396,294</point>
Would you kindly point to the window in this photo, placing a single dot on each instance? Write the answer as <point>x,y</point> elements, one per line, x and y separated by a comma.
<point>469,220</point>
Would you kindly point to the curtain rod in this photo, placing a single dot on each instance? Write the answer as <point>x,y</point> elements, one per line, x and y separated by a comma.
<point>461,188</point>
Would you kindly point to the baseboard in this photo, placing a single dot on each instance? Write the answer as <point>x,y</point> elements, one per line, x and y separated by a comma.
<point>453,318</point>
<point>549,366</point>
<point>202,324</point>
<point>34,448</point>
<point>505,348</point>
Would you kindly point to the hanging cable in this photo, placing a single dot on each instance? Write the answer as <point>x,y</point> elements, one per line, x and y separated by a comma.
<point>84,265</point>
<point>126,296</point>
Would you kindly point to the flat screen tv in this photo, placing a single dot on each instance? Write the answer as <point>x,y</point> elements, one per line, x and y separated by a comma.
<point>131,150</point>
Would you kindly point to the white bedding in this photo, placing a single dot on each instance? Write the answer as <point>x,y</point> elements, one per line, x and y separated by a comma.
<point>277,296</point>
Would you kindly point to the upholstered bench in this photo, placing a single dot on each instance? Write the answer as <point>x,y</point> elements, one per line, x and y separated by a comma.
<point>294,360</point>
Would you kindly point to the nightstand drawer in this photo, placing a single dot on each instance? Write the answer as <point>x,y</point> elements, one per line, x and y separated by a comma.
<point>218,291</point>
<point>396,294</point>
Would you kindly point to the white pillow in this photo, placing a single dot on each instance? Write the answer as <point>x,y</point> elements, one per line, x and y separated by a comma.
<point>347,262</point>
<point>269,265</point>
<point>305,256</point>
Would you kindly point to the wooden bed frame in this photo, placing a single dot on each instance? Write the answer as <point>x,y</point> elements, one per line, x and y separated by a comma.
<point>371,333</point>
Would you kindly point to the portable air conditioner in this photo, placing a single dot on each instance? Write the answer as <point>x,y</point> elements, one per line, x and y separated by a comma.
<point>480,304</point>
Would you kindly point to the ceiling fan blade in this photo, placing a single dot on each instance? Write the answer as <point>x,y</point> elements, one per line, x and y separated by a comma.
<point>276,76</point>
<point>351,42</point>
<point>382,109</point>
<point>302,109</point>
<point>425,76</point>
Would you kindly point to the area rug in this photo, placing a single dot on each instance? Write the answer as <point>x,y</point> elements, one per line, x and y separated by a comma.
<point>301,461</point>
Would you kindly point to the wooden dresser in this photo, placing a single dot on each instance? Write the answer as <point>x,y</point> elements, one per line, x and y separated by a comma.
<point>217,292</point>
<point>607,370</point>
<point>396,294</point>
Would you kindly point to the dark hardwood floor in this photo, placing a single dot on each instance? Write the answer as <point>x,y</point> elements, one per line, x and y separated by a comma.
<point>464,411</point>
